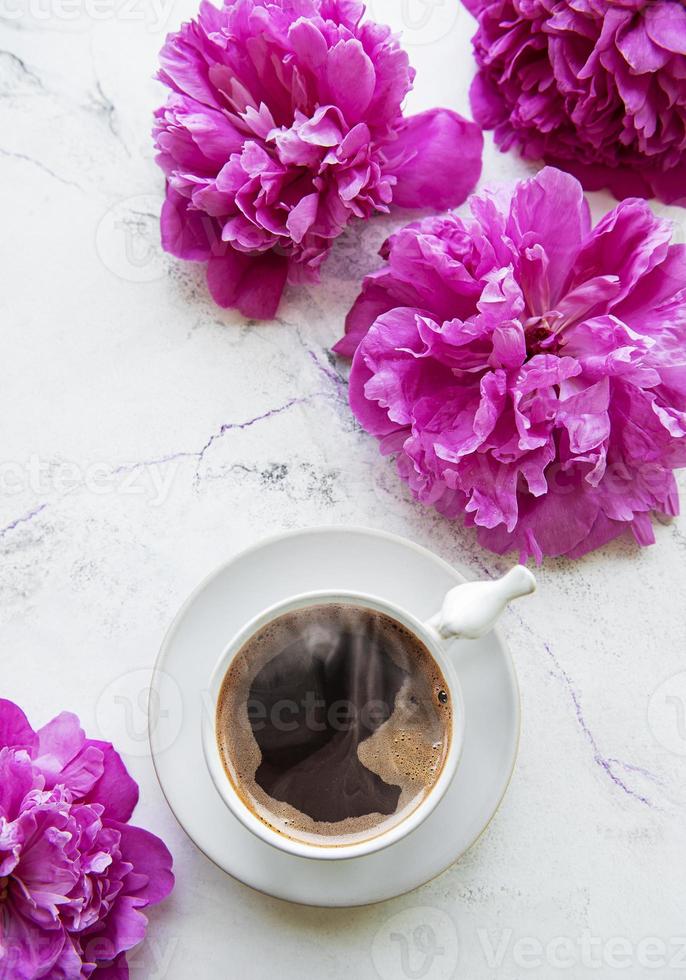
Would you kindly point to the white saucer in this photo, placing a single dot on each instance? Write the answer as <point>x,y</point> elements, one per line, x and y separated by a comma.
<point>328,558</point>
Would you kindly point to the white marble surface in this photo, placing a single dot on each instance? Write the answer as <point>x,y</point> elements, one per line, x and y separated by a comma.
<point>147,436</point>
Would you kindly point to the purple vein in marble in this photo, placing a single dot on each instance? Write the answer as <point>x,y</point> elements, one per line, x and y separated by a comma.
<point>328,371</point>
<point>270,413</point>
<point>603,761</point>
<point>189,454</point>
<point>24,519</point>
<point>199,454</point>
<point>157,461</point>
<point>607,764</point>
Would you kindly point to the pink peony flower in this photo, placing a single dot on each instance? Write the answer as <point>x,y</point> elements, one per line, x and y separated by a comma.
<point>528,370</point>
<point>74,875</point>
<point>284,122</point>
<point>595,87</point>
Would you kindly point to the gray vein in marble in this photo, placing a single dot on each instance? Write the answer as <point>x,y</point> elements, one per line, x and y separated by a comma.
<point>104,106</point>
<point>22,66</point>
<point>41,166</point>
<point>24,519</point>
<point>270,475</point>
<point>299,481</point>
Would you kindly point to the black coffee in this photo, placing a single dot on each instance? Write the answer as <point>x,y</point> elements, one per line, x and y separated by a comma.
<point>333,721</point>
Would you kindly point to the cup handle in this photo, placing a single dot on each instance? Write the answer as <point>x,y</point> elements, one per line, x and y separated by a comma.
<point>472,609</point>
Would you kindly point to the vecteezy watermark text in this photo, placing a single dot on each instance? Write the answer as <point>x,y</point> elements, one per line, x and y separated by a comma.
<point>585,950</point>
<point>47,477</point>
<point>152,14</point>
<point>422,942</point>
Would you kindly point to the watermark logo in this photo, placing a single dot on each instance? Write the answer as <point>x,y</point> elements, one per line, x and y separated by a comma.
<point>667,714</point>
<point>422,22</point>
<point>127,239</point>
<point>416,944</point>
<point>130,709</point>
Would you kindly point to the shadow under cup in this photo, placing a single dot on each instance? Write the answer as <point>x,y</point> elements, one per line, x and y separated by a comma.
<point>337,726</point>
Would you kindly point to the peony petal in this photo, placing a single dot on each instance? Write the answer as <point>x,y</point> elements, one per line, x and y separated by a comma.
<point>186,233</point>
<point>61,739</point>
<point>627,243</point>
<point>601,533</point>
<point>213,133</point>
<point>368,412</point>
<point>115,789</point>
<point>309,43</point>
<point>82,773</point>
<point>46,870</point>
<point>669,185</point>
<point>116,970</point>
<point>666,26</point>
<point>120,931</point>
<point>621,182</point>
<point>369,304</point>
<point>69,963</point>
<point>641,54</point>
<point>558,522</point>
<point>183,69</point>
<point>17,778</point>
<point>63,757</point>
<point>509,346</point>
<point>15,730</point>
<point>350,79</point>
<point>152,861</point>
<point>253,284</point>
<point>27,952</point>
<point>487,105</point>
<point>440,154</point>
<point>303,216</point>
<point>551,210</point>
<point>642,529</point>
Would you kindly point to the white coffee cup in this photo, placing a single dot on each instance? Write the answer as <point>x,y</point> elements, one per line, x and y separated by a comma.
<point>468,611</point>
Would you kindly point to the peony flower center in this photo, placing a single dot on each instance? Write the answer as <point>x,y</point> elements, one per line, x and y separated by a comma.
<point>542,335</point>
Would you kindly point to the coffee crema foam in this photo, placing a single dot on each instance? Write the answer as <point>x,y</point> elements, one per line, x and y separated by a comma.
<point>333,723</point>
